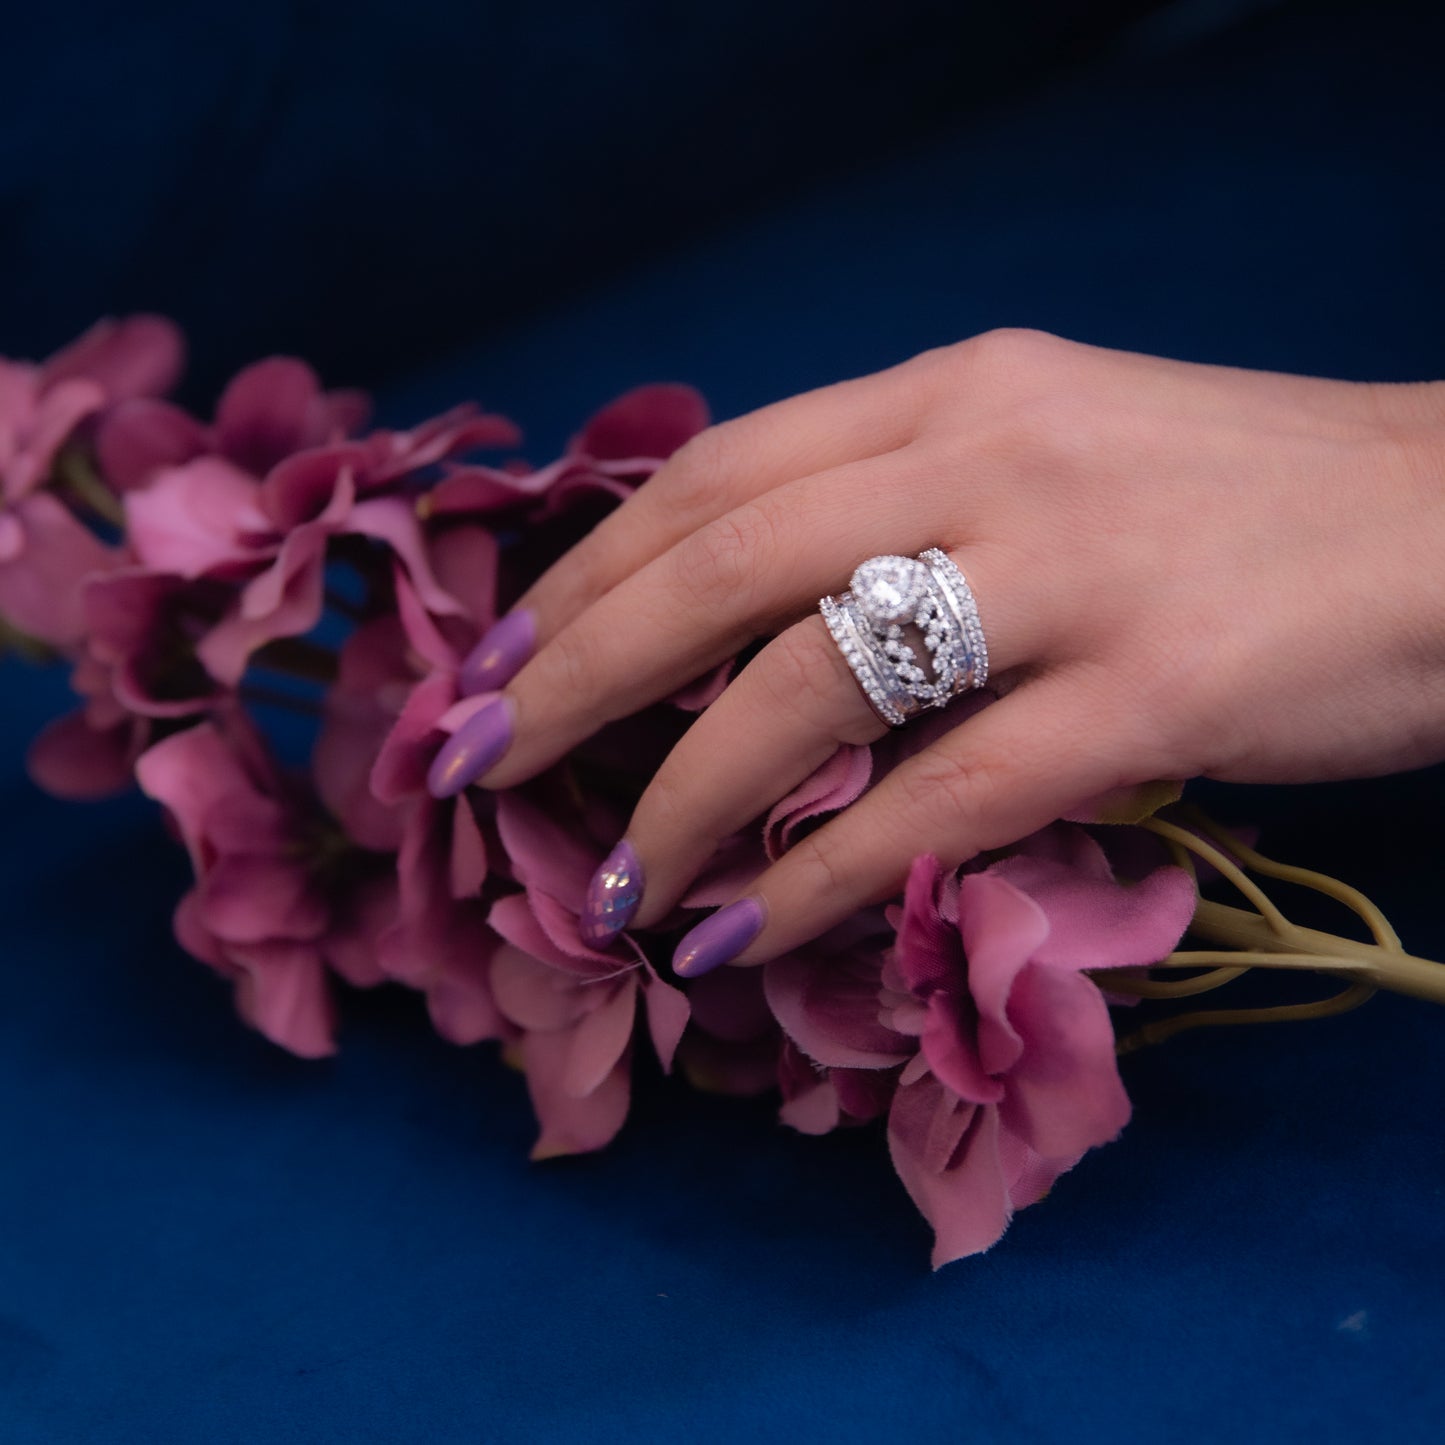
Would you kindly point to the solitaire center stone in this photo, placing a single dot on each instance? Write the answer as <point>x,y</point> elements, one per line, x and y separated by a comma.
<point>890,589</point>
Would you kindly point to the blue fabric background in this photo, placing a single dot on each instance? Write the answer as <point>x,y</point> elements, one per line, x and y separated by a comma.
<point>204,1240</point>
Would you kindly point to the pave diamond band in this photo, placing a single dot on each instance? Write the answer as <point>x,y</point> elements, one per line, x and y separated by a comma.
<point>888,594</point>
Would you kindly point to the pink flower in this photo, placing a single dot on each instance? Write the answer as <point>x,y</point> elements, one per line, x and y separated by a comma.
<point>619,447</point>
<point>259,497</point>
<point>574,1007</point>
<point>256,914</point>
<point>45,551</point>
<point>1004,1048</point>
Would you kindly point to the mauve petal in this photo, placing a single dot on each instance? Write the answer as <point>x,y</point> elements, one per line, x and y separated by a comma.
<point>393,520</point>
<point>571,1125</point>
<point>468,870</point>
<point>143,436</point>
<point>833,785</point>
<point>647,422</point>
<point>1097,924</point>
<point>56,415</point>
<point>41,591</point>
<point>927,954</point>
<point>705,690</point>
<point>71,759</point>
<point>1064,1096</point>
<point>402,763</point>
<point>464,561</point>
<point>813,1109</point>
<point>474,490</point>
<point>264,414</point>
<point>197,940</point>
<point>285,601</point>
<point>968,1204</point>
<point>831,1012</point>
<point>311,486</point>
<point>1070,845</point>
<point>253,899</point>
<point>425,637</point>
<point>1001,927</point>
<point>731,1004</point>
<point>189,773</point>
<point>282,992</point>
<point>341,764</point>
<point>532,995</point>
<point>668,1010</point>
<point>344,412</point>
<point>736,864</point>
<point>545,856</point>
<point>359,921</point>
<point>864,1093</point>
<point>600,1037</point>
<point>949,1044</point>
<point>462,429</point>
<point>514,918</point>
<point>139,355</point>
<point>195,519</point>
<point>458,988</point>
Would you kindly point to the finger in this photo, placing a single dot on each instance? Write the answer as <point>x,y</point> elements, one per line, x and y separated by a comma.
<point>781,718</point>
<point>1013,767</point>
<point>719,469</point>
<point>746,575</point>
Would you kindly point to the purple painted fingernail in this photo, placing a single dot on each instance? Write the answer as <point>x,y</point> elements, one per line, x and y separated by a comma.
<point>498,657</point>
<point>612,896</point>
<point>472,749</point>
<point>718,938</point>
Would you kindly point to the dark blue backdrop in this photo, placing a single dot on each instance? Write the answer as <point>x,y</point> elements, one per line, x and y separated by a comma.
<point>204,1240</point>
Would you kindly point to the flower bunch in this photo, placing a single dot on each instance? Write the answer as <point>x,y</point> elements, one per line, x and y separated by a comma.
<point>202,575</point>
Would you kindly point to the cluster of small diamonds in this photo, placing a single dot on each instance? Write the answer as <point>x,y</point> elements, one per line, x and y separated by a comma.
<point>869,633</point>
<point>952,580</point>
<point>858,658</point>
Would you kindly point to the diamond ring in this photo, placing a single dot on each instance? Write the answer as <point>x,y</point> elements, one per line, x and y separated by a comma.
<point>886,597</point>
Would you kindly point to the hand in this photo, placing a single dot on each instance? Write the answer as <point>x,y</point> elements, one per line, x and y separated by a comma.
<point>1181,570</point>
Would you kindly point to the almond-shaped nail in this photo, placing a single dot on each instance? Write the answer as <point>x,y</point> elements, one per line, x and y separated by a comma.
<point>720,937</point>
<point>499,656</point>
<point>472,749</point>
<point>612,896</point>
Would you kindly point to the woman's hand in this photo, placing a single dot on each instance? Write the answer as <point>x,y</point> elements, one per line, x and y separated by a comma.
<point>1181,570</point>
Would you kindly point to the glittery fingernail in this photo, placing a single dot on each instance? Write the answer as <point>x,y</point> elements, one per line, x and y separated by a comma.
<point>612,896</point>
<point>472,749</point>
<point>719,938</point>
<point>499,656</point>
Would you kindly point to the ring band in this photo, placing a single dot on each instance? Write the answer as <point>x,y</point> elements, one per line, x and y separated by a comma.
<point>867,622</point>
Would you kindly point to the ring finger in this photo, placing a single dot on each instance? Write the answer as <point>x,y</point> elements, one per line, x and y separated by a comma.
<point>783,716</point>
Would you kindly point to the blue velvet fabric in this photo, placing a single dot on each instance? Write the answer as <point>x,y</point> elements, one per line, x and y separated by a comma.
<point>360,182</point>
<point>204,1240</point>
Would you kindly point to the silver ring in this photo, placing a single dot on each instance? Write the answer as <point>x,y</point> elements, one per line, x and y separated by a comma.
<point>885,595</point>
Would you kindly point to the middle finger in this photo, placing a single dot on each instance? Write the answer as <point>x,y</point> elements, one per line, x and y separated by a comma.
<point>746,575</point>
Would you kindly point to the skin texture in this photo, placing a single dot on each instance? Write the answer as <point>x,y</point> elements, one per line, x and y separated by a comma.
<point>1181,570</point>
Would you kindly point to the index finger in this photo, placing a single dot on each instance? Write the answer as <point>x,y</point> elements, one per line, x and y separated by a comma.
<point>717,470</point>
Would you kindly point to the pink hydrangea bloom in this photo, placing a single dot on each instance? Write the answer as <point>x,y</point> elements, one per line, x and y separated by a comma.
<point>256,914</point>
<point>45,550</point>
<point>575,1008</point>
<point>1002,1046</point>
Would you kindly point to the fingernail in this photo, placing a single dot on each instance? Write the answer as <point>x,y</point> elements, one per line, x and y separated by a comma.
<point>472,749</point>
<point>718,938</point>
<point>498,657</point>
<point>612,896</point>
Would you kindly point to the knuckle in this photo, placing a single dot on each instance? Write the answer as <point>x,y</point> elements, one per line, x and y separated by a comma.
<point>696,476</point>
<point>965,788</point>
<point>570,661</point>
<point>817,865</point>
<point>721,564</point>
<point>802,673</point>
